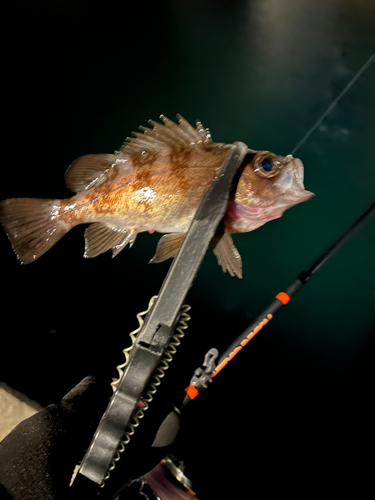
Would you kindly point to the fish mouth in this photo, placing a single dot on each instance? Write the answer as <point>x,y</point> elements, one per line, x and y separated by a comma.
<point>291,185</point>
<point>287,190</point>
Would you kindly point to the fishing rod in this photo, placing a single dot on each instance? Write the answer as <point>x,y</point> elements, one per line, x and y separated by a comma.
<point>205,374</point>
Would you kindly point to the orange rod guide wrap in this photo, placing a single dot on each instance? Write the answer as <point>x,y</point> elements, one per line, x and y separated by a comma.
<point>242,344</point>
<point>191,391</point>
<point>283,297</point>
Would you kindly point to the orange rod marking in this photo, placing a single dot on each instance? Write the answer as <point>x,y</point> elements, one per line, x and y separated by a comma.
<point>192,391</point>
<point>283,297</point>
<point>242,344</point>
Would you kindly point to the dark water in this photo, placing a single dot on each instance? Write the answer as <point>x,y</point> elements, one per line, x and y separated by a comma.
<point>79,78</point>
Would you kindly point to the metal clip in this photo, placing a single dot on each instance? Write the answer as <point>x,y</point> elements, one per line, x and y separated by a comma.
<point>202,375</point>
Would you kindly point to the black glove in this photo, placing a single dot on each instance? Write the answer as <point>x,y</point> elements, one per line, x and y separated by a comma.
<point>38,457</point>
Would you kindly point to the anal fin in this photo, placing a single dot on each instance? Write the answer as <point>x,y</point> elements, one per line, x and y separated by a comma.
<point>168,246</point>
<point>102,237</point>
<point>228,256</point>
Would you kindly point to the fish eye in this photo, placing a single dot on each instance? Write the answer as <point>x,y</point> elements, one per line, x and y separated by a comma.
<point>267,164</point>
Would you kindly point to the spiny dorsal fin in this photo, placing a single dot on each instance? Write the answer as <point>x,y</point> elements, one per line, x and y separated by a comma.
<point>87,171</point>
<point>102,237</point>
<point>165,135</point>
<point>91,170</point>
<point>205,132</point>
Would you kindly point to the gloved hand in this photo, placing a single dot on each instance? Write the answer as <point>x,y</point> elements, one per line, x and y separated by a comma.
<point>38,457</point>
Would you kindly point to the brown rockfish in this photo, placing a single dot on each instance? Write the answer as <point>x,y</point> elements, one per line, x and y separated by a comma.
<point>155,183</point>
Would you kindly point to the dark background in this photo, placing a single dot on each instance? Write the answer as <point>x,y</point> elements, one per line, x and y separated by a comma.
<point>78,77</point>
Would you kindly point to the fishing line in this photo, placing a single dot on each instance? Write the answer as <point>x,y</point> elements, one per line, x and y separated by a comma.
<point>333,104</point>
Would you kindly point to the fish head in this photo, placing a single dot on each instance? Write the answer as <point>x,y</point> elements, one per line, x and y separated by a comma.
<point>269,185</point>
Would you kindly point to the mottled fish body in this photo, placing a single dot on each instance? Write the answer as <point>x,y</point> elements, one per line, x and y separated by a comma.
<point>155,183</point>
<point>146,190</point>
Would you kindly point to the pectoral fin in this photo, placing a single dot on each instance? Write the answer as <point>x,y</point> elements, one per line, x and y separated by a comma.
<point>102,237</point>
<point>228,256</point>
<point>168,246</point>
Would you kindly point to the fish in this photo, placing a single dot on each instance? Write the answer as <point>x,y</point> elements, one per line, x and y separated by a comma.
<point>155,183</point>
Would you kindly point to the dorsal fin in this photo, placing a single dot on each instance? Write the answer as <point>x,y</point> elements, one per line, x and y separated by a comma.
<point>87,171</point>
<point>165,135</point>
<point>205,132</point>
<point>91,170</point>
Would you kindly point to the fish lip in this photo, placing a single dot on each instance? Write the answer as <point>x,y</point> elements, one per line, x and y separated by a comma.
<point>277,210</point>
<point>309,195</point>
<point>299,171</point>
<point>298,196</point>
<point>291,179</point>
<point>294,196</point>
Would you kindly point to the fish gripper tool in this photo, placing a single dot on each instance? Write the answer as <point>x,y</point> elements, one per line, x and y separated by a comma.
<point>160,322</point>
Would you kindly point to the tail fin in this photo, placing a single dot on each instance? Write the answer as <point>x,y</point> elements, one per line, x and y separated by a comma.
<point>32,226</point>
